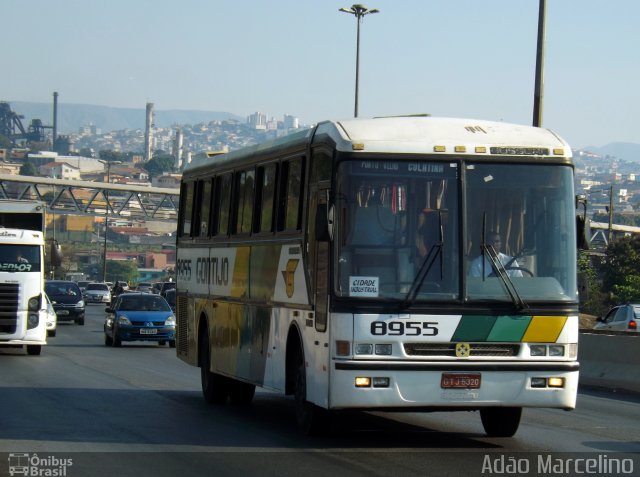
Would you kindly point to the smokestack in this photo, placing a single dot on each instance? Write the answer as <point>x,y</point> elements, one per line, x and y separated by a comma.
<point>148,133</point>
<point>55,120</point>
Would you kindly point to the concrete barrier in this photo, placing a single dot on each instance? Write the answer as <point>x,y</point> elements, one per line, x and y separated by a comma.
<point>610,361</point>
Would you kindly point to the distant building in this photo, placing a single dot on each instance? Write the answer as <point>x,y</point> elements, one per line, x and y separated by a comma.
<point>59,170</point>
<point>11,168</point>
<point>291,122</point>
<point>170,181</point>
<point>258,121</point>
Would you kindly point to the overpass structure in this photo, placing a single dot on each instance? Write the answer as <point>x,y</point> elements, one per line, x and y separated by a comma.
<point>76,197</point>
<point>600,232</point>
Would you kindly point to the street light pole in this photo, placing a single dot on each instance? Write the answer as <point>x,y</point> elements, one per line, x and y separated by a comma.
<point>106,220</point>
<point>358,11</point>
<point>539,80</point>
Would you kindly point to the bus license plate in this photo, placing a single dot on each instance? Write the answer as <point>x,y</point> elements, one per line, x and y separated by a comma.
<point>145,331</point>
<point>460,381</point>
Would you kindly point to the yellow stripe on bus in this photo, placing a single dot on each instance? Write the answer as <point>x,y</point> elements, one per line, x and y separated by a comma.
<point>544,329</point>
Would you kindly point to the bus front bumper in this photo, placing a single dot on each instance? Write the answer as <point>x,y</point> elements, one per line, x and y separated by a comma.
<point>414,385</point>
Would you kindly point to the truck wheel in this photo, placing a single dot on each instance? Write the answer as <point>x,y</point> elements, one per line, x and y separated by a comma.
<point>34,350</point>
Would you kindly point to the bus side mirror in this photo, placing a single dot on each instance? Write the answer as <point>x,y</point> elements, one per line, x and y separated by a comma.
<point>56,254</point>
<point>324,223</point>
<point>583,231</point>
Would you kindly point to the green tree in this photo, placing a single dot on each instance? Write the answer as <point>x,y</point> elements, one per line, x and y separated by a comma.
<point>28,169</point>
<point>5,142</point>
<point>159,164</point>
<point>592,299</point>
<point>621,269</point>
<point>122,270</point>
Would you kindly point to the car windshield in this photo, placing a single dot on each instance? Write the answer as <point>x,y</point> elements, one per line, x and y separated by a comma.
<point>143,303</point>
<point>57,289</point>
<point>97,286</point>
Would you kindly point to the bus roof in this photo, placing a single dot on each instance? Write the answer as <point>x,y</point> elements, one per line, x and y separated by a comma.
<point>410,135</point>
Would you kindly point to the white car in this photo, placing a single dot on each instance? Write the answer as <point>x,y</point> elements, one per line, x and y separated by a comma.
<point>52,319</point>
<point>97,293</point>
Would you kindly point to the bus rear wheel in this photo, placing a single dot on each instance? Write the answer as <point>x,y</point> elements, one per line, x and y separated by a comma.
<point>215,387</point>
<point>501,421</point>
<point>241,393</point>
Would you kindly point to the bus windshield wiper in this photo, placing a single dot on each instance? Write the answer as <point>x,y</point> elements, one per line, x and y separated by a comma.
<point>501,272</point>
<point>434,252</point>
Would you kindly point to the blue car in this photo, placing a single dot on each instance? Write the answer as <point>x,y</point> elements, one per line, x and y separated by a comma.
<point>139,317</point>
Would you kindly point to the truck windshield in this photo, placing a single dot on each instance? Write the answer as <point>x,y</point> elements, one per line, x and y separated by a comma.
<point>20,258</point>
<point>398,230</point>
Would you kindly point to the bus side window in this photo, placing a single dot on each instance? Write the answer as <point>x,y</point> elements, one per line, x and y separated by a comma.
<point>186,208</point>
<point>243,205</point>
<point>291,194</point>
<point>197,209</point>
<point>265,194</point>
<point>205,208</point>
<point>222,203</point>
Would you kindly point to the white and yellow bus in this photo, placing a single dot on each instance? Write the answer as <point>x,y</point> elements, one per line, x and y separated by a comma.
<point>395,264</point>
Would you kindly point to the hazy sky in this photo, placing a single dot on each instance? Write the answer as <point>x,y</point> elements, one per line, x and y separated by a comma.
<point>458,58</point>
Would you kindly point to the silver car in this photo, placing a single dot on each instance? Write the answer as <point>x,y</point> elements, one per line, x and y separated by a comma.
<point>620,318</point>
<point>97,293</point>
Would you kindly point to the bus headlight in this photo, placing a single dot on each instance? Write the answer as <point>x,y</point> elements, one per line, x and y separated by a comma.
<point>556,350</point>
<point>364,348</point>
<point>538,350</point>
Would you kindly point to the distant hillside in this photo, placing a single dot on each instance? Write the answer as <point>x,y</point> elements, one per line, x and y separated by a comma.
<point>622,150</point>
<point>71,117</point>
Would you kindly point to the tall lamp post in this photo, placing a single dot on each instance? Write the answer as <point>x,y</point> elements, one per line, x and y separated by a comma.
<point>106,218</point>
<point>358,11</point>
<point>538,93</point>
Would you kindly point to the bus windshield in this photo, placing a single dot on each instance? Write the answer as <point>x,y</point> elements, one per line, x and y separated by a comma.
<point>402,233</point>
<point>397,231</point>
<point>520,239</point>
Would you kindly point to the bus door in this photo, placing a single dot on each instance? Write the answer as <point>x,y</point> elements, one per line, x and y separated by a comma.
<point>316,335</point>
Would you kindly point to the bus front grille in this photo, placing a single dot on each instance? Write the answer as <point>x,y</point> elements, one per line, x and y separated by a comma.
<point>449,349</point>
<point>9,298</point>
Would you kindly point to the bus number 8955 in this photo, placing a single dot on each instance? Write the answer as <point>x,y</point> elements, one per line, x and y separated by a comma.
<point>401,328</point>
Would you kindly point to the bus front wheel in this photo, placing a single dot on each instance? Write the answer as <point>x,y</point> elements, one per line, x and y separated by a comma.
<point>312,420</point>
<point>501,421</point>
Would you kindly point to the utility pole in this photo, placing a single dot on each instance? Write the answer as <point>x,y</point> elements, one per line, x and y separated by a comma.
<point>610,234</point>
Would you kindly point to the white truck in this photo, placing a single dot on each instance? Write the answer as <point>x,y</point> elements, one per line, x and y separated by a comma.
<point>23,307</point>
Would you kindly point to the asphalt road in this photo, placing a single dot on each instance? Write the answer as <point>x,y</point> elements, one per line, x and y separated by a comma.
<point>91,410</point>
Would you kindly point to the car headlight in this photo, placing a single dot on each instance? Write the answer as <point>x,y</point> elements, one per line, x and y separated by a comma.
<point>123,320</point>
<point>80,304</point>
<point>171,321</point>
